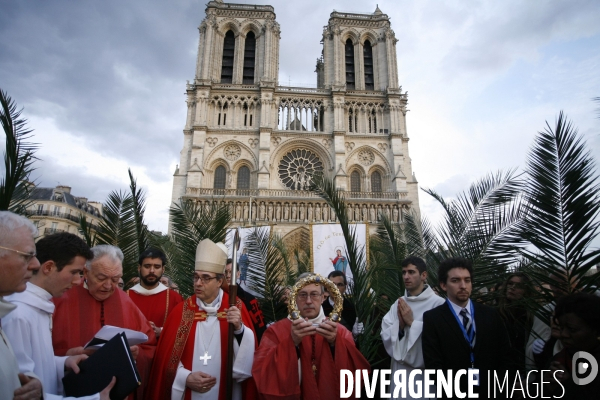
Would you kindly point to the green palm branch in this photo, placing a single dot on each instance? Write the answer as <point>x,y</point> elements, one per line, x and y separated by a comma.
<point>363,299</point>
<point>123,226</point>
<point>481,225</point>
<point>85,229</point>
<point>18,157</point>
<point>270,272</point>
<point>192,222</point>
<point>562,203</point>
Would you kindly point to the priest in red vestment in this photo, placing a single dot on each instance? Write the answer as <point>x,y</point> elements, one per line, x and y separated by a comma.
<point>302,359</point>
<point>191,358</point>
<point>154,299</point>
<point>84,309</point>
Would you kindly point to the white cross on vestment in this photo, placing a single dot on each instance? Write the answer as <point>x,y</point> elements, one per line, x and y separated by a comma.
<point>205,358</point>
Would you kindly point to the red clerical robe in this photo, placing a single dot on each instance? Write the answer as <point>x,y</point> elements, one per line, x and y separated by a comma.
<point>177,344</point>
<point>275,368</point>
<point>78,316</point>
<point>155,307</point>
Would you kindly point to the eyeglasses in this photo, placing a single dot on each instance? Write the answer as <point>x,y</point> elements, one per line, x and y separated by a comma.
<point>313,296</point>
<point>26,256</point>
<point>204,279</point>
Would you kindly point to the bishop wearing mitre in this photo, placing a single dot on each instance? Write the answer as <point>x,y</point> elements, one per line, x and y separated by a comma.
<point>191,358</point>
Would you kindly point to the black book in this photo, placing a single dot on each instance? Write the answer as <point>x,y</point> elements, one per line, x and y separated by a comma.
<point>96,372</point>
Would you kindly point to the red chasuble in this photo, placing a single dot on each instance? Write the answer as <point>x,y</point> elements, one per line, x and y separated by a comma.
<point>157,306</point>
<point>78,316</point>
<point>177,344</point>
<point>275,368</point>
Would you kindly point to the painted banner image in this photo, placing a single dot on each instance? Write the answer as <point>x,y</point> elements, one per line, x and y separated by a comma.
<point>243,256</point>
<point>329,248</point>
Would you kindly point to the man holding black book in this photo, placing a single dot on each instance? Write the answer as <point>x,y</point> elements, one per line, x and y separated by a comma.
<point>84,309</point>
<point>62,257</point>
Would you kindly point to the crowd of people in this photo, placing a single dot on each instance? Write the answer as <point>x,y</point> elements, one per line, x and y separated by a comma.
<point>56,294</point>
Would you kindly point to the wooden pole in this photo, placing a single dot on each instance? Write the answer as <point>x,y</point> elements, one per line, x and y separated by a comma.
<point>232,297</point>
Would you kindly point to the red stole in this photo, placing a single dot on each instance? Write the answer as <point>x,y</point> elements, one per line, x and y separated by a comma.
<point>78,317</point>
<point>177,344</point>
<point>157,306</point>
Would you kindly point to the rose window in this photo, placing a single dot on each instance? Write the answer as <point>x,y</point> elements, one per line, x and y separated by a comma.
<point>297,167</point>
<point>232,152</point>
<point>366,157</point>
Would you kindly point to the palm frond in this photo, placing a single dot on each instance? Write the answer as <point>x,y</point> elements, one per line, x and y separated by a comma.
<point>85,229</point>
<point>360,286</point>
<point>562,210</point>
<point>117,228</point>
<point>192,222</point>
<point>18,157</point>
<point>270,271</point>
<point>481,225</point>
<point>138,205</point>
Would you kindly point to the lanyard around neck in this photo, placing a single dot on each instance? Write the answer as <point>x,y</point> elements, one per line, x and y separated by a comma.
<point>468,337</point>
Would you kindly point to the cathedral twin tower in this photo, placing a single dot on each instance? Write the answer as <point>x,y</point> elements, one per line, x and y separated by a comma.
<point>254,144</point>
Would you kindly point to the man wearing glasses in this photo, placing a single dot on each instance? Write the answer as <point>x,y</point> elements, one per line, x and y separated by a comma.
<point>17,263</point>
<point>303,358</point>
<point>192,353</point>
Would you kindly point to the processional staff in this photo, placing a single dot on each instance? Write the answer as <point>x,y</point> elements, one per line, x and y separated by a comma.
<point>232,298</point>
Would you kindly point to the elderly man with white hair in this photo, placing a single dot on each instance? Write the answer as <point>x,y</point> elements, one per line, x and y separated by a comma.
<point>17,263</point>
<point>84,309</point>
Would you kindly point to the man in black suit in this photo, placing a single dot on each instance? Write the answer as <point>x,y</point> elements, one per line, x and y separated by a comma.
<point>452,340</point>
<point>348,312</point>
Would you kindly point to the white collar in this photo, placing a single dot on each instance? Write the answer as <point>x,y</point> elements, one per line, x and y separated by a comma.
<point>149,292</point>
<point>318,319</point>
<point>5,307</point>
<point>457,309</point>
<point>34,296</point>
<point>213,307</point>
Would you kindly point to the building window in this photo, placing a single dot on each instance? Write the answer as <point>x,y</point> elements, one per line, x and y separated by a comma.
<point>297,168</point>
<point>355,181</point>
<point>350,80</point>
<point>222,117</point>
<point>368,58</point>
<point>40,209</point>
<point>228,52</point>
<point>56,210</point>
<point>376,182</point>
<point>243,178</point>
<point>249,58</point>
<point>220,177</point>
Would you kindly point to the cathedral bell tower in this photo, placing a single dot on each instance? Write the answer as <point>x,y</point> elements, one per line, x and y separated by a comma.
<point>255,145</point>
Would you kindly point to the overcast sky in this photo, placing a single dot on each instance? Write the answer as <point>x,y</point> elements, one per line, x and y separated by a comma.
<point>103,82</point>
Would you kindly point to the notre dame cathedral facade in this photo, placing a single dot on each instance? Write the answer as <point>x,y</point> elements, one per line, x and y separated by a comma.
<point>254,144</point>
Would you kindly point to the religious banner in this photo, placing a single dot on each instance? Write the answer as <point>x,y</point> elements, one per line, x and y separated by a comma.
<point>329,247</point>
<point>243,256</point>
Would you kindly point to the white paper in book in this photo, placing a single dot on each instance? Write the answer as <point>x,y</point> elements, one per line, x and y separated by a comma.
<point>108,332</point>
